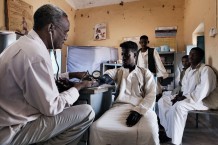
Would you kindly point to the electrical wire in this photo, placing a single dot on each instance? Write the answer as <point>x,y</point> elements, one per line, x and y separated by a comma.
<point>55,56</point>
<point>57,77</point>
<point>87,73</point>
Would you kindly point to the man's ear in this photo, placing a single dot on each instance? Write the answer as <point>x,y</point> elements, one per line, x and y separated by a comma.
<point>148,41</point>
<point>50,28</point>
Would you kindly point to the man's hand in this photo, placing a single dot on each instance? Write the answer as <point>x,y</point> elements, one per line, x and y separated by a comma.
<point>178,98</point>
<point>63,84</point>
<point>133,118</point>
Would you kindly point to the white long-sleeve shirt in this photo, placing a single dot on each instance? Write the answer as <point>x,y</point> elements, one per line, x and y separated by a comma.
<point>27,86</point>
<point>198,83</point>
<point>136,88</point>
<point>143,62</point>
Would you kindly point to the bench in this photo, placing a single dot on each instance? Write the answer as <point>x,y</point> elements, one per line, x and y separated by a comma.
<point>210,112</point>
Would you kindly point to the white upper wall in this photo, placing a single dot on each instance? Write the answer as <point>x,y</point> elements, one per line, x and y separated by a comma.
<point>82,4</point>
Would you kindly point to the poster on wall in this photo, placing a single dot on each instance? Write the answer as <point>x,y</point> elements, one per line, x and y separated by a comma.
<point>19,16</point>
<point>100,31</point>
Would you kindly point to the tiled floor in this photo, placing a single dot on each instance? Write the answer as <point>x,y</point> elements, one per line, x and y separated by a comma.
<point>205,134</point>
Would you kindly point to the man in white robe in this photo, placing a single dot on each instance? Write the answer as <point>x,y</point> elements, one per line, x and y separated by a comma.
<point>149,58</point>
<point>131,120</point>
<point>185,64</point>
<point>199,80</point>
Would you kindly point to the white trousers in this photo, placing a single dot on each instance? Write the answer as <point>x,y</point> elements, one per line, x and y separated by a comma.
<point>62,129</point>
<point>111,128</point>
<point>173,118</point>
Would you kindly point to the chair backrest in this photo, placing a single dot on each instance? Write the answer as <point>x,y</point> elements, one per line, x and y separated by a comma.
<point>211,101</point>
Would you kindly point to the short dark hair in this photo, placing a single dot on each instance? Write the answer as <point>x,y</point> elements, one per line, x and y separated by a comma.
<point>199,51</point>
<point>185,56</point>
<point>144,37</point>
<point>47,14</point>
<point>132,46</point>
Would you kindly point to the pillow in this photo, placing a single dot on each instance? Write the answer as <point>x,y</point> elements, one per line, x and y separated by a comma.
<point>211,101</point>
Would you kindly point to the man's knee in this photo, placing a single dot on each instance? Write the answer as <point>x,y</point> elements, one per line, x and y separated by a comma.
<point>161,102</point>
<point>180,107</point>
<point>87,109</point>
<point>80,112</point>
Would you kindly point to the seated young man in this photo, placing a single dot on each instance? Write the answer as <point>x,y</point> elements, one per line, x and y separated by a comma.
<point>198,82</point>
<point>131,119</point>
<point>185,64</point>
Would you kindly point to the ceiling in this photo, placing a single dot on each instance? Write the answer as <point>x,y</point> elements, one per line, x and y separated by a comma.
<point>82,4</point>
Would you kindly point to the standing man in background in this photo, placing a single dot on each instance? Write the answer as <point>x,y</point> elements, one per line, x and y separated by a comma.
<point>32,110</point>
<point>149,58</point>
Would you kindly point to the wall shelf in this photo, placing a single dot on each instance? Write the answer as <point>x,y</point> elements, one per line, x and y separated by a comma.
<point>106,66</point>
<point>168,60</point>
